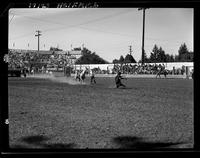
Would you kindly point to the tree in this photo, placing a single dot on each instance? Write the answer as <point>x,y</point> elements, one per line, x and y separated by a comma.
<point>146,59</point>
<point>121,59</point>
<point>129,59</point>
<point>115,61</point>
<point>172,58</point>
<point>154,54</point>
<point>183,53</point>
<point>190,56</point>
<point>55,49</point>
<point>161,55</point>
<point>169,58</point>
<point>183,49</point>
<point>176,58</point>
<point>90,58</point>
<point>158,55</point>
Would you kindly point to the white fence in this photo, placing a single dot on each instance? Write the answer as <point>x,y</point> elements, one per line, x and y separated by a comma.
<point>168,66</point>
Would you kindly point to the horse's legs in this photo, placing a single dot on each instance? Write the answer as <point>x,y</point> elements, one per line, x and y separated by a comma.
<point>81,80</point>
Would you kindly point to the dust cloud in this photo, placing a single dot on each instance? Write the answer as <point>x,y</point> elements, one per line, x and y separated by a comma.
<point>60,79</point>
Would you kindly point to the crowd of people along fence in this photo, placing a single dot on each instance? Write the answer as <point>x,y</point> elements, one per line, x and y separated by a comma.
<point>34,62</point>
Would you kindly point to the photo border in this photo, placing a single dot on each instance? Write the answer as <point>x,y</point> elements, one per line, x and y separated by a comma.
<point>4,14</point>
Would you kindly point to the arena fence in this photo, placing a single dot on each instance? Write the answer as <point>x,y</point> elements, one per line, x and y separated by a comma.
<point>168,66</point>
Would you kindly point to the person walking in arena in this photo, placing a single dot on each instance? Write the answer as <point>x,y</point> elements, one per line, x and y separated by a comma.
<point>24,72</point>
<point>118,79</point>
<point>77,75</point>
<point>92,79</point>
<point>159,70</point>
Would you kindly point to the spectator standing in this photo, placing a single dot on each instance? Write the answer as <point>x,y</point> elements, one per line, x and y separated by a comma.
<point>92,79</point>
<point>24,72</point>
<point>159,72</point>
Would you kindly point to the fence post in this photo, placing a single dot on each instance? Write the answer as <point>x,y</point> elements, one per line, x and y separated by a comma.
<point>187,72</point>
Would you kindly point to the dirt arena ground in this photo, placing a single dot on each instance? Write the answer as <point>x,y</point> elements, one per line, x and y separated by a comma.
<point>56,112</point>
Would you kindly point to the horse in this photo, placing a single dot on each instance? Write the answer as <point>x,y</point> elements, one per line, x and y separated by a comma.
<point>161,71</point>
<point>82,76</point>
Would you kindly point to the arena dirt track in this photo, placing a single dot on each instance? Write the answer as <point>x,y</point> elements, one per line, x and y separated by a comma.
<point>149,114</point>
<point>60,79</point>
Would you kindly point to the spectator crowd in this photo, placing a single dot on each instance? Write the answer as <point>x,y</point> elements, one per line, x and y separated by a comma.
<point>147,68</point>
<point>34,62</point>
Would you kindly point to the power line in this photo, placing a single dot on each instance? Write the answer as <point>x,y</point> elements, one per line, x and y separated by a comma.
<point>24,35</point>
<point>36,19</point>
<point>90,21</point>
<point>69,26</point>
<point>131,36</point>
<point>87,22</point>
<point>97,30</point>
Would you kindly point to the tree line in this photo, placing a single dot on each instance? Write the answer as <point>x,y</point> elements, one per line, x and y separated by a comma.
<point>157,55</point>
<point>89,57</point>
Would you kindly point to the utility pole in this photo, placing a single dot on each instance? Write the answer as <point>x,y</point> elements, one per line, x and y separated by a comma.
<point>143,33</point>
<point>130,50</point>
<point>38,35</point>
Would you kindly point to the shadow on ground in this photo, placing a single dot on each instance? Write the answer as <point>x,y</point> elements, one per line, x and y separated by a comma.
<point>39,141</point>
<point>127,142</point>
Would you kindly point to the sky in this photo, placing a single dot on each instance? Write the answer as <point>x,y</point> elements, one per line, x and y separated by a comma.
<point>106,31</point>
